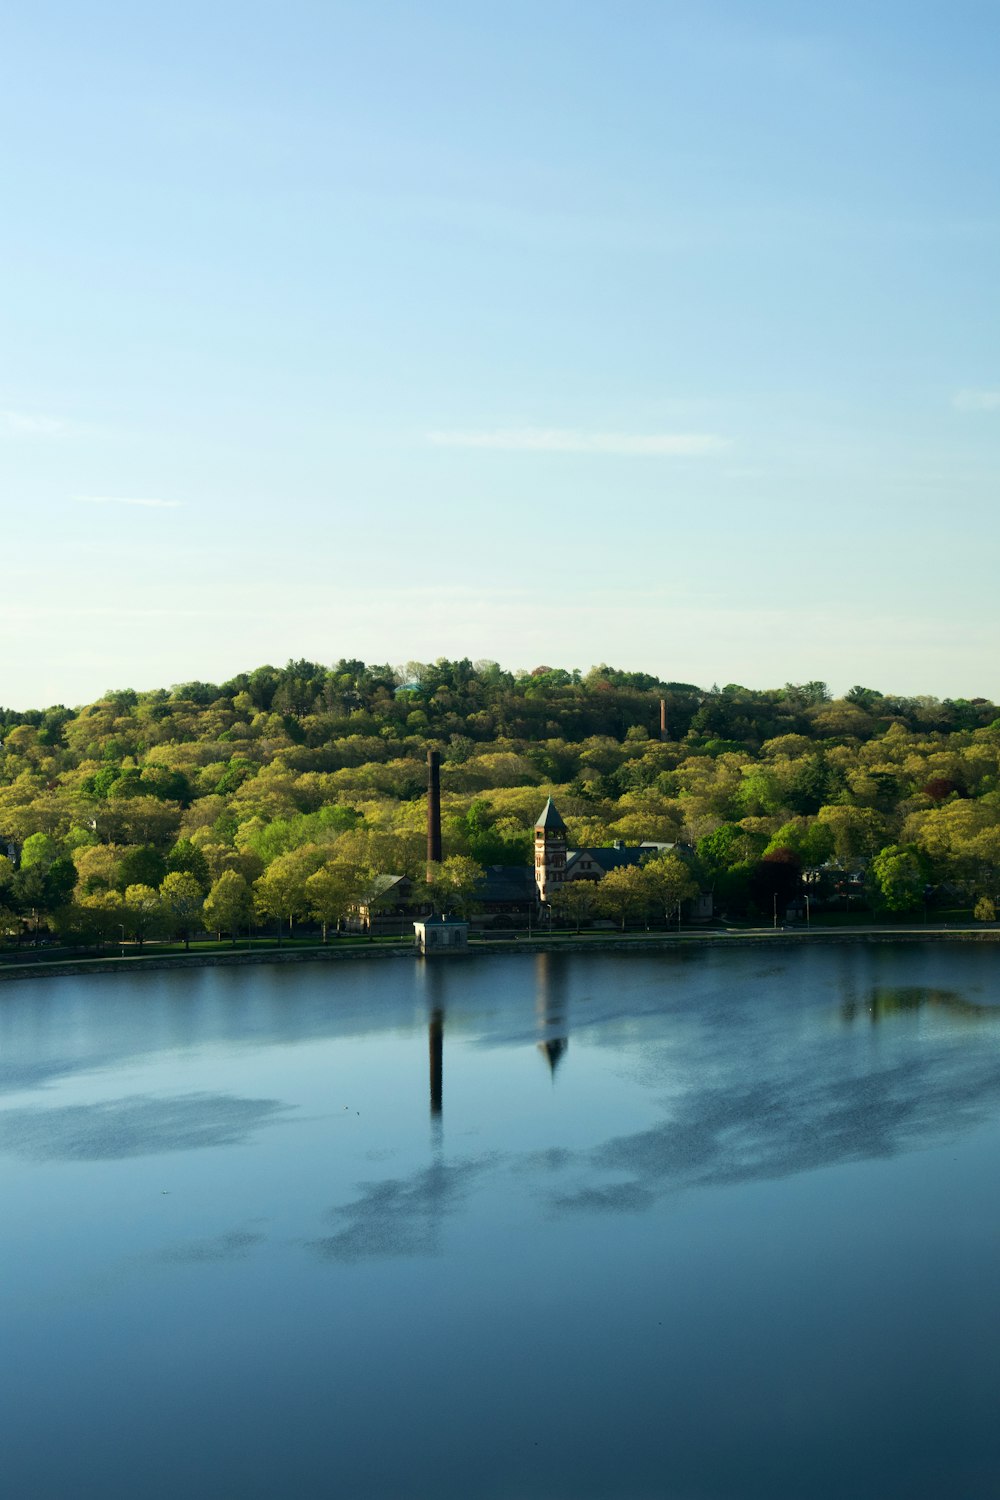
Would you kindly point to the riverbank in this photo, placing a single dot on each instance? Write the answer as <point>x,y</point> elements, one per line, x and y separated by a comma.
<point>403,948</point>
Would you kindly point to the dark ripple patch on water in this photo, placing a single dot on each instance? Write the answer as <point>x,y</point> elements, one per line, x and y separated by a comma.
<point>133,1126</point>
<point>233,1244</point>
<point>617,1198</point>
<point>767,1130</point>
<point>400,1216</point>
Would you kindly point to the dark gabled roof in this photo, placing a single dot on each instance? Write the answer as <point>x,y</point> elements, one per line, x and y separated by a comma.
<point>506,883</point>
<point>550,816</point>
<point>610,859</point>
<point>383,883</point>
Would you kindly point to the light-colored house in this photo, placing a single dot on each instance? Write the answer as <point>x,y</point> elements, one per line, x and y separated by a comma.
<point>440,934</point>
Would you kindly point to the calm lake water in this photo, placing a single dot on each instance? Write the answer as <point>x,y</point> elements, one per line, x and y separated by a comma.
<point>703,1225</point>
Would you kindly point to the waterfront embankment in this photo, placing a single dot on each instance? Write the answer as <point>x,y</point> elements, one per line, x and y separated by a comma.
<point>604,942</point>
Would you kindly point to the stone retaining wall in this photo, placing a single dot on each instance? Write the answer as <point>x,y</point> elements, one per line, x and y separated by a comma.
<point>654,943</point>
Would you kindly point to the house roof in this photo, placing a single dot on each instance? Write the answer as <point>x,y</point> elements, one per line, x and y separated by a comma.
<point>609,859</point>
<point>550,816</point>
<point>506,883</point>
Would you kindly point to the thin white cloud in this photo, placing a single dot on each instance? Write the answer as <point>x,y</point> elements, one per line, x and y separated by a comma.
<point>149,504</point>
<point>977,400</point>
<point>32,424</point>
<point>572,440</point>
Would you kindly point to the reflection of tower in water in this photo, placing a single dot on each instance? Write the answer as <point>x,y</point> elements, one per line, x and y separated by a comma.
<point>551,1009</point>
<point>551,1023</point>
<point>432,981</point>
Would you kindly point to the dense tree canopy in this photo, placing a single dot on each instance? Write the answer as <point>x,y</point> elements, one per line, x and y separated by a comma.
<point>287,791</point>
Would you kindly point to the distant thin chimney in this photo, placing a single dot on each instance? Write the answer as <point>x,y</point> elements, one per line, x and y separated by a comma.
<point>663,719</point>
<point>433,809</point>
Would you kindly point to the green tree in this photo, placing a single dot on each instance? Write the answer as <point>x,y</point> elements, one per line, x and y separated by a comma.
<point>186,858</point>
<point>143,912</point>
<point>183,900</point>
<point>332,892</point>
<point>39,849</point>
<point>281,891</point>
<point>97,867</point>
<point>142,864</point>
<point>228,905</point>
<point>576,901</point>
<point>102,917</point>
<point>858,832</point>
<point>669,882</point>
<point>726,846</point>
<point>811,840</point>
<point>899,877</point>
<point>454,884</point>
<point>624,894</point>
<point>985,909</point>
<point>28,895</point>
<point>492,841</point>
<point>60,882</point>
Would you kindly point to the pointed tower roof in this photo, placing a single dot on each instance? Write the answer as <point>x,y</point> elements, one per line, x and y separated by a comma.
<point>550,816</point>
<point>552,1051</point>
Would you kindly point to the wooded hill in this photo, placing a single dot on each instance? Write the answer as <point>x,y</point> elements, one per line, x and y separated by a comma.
<point>282,777</point>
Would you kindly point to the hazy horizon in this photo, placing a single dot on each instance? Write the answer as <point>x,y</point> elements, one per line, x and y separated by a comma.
<point>836,689</point>
<point>664,336</point>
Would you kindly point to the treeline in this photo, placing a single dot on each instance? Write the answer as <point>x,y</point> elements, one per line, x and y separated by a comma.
<point>292,793</point>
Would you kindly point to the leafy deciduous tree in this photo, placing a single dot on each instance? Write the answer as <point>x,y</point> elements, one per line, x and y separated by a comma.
<point>228,904</point>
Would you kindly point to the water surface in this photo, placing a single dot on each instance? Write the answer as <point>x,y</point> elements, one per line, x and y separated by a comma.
<point>707,1225</point>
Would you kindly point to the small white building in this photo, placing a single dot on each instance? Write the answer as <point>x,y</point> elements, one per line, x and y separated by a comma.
<point>440,934</point>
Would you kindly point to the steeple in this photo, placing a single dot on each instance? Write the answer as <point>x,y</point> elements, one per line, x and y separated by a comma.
<point>550,851</point>
<point>550,817</point>
<point>550,1009</point>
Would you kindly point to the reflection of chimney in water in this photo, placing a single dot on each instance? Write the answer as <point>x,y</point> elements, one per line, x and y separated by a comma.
<point>550,1009</point>
<point>433,810</point>
<point>435,1037</point>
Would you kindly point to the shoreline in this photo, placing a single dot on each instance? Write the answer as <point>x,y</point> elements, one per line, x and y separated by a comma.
<point>570,943</point>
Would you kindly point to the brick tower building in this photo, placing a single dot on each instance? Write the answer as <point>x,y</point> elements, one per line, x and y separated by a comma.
<point>550,851</point>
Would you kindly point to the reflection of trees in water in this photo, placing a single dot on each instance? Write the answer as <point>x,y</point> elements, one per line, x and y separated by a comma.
<point>400,1216</point>
<point>781,1100</point>
<point>743,1094</point>
<point>886,1001</point>
<point>551,1008</point>
<point>138,1125</point>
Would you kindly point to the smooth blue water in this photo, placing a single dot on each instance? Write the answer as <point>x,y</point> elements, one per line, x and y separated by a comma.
<point>703,1225</point>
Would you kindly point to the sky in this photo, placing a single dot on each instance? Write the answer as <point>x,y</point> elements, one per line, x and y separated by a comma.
<point>665,335</point>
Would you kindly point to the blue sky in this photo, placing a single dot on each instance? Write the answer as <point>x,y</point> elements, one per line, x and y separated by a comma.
<point>666,335</point>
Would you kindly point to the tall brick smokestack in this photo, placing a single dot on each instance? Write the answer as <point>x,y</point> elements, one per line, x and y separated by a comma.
<point>663,719</point>
<point>433,808</point>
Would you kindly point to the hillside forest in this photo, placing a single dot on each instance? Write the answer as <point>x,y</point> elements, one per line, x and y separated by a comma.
<point>286,796</point>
